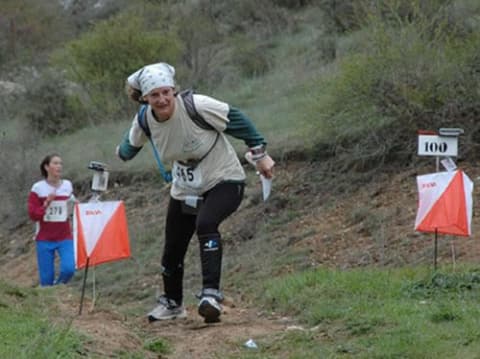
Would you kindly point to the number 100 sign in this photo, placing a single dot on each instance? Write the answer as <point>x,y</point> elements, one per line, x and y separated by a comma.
<point>434,145</point>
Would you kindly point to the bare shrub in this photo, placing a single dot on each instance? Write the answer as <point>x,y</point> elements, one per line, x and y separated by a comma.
<point>250,57</point>
<point>101,59</point>
<point>53,108</point>
<point>28,26</point>
<point>414,73</point>
<point>19,159</point>
<point>200,35</point>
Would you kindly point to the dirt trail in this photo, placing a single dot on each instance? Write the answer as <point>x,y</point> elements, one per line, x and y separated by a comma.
<point>111,332</point>
<point>195,339</point>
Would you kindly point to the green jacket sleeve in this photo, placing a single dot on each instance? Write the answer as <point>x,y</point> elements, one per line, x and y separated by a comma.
<point>241,127</point>
<point>126,151</point>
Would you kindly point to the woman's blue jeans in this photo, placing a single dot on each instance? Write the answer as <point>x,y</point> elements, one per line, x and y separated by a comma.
<point>46,261</point>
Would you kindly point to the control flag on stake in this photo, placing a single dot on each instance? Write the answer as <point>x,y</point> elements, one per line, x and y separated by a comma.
<point>445,203</point>
<point>100,233</point>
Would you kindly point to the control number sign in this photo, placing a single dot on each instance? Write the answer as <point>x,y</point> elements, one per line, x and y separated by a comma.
<point>434,145</point>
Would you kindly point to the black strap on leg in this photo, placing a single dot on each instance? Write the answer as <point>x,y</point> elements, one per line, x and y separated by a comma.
<point>211,259</point>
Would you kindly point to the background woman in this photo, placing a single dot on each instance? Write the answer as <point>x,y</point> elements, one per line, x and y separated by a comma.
<point>48,206</point>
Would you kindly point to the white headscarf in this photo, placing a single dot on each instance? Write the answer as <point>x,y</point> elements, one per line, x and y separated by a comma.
<point>152,76</point>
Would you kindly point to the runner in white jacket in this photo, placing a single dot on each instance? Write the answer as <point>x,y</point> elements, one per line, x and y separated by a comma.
<point>208,179</point>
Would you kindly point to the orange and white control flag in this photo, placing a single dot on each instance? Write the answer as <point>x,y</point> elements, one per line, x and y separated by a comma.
<point>445,203</point>
<point>100,233</point>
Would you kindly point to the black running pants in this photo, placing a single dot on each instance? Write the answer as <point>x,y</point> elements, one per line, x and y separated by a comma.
<point>218,203</point>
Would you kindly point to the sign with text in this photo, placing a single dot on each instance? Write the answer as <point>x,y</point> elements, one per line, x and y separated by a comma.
<point>445,203</point>
<point>100,233</point>
<point>434,145</point>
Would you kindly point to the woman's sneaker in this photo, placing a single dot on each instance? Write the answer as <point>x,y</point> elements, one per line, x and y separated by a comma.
<point>209,309</point>
<point>167,309</point>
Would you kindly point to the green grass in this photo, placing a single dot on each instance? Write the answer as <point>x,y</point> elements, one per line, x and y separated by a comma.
<point>159,346</point>
<point>95,143</point>
<point>401,313</point>
<point>282,102</point>
<point>31,326</point>
<point>28,331</point>
<point>368,313</point>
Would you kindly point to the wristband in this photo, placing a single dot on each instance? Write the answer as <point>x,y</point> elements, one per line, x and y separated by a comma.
<point>258,152</point>
<point>259,157</point>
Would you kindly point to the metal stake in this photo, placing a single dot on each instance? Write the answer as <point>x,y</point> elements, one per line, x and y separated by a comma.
<point>83,286</point>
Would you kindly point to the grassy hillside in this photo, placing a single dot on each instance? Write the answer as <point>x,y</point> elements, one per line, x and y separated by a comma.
<point>406,313</point>
<point>400,69</point>
<point>26,327</point>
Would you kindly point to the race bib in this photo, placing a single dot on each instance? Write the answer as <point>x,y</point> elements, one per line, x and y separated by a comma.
<point>186,176</point>
<point>56,212</point>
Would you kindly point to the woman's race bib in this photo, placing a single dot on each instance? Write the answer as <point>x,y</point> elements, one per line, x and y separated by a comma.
<point>185,176</point>
<point>56,212</point>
